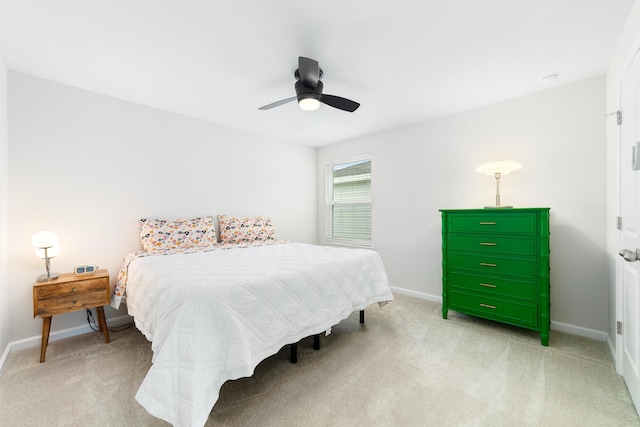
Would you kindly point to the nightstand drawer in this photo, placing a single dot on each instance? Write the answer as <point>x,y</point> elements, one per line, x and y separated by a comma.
<point>493,223</point>
<point>63,304</point>
<point>517,245</point>
<point>56,290</point>
<point>486,264</point>
<point>493,286</point>
<point>516,313</point>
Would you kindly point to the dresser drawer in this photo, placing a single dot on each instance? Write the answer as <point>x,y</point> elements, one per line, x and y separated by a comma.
<point>493,223</point>
<point>493,286</point>
<point>522,314</point>
<point>517,245</point>
<point>485,264</point>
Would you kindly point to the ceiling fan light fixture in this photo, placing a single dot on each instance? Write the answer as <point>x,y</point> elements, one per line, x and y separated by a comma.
<point>309,104</point>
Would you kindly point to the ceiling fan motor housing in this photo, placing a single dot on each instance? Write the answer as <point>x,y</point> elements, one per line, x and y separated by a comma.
<point>296,74</point>
<point>304,92</point>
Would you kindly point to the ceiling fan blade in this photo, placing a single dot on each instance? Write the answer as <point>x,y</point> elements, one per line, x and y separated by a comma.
<point>278,103</point>
<point>309,71</point>
<point>340,103</point>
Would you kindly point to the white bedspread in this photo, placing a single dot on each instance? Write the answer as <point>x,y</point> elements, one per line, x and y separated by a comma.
<point>213,316</point>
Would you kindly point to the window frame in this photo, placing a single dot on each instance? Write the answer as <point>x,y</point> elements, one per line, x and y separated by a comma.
<point>330,203</point>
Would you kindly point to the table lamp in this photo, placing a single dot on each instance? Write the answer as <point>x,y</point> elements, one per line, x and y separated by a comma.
<point>498,168</point>
<point>46,244</point>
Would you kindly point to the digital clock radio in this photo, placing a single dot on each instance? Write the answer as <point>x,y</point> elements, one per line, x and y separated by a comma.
<point>85,269</point>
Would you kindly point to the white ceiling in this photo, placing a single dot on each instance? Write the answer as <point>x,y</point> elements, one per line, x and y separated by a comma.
<point>405,61</point>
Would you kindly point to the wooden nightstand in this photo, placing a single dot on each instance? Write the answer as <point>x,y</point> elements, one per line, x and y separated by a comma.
<point>70,293</point>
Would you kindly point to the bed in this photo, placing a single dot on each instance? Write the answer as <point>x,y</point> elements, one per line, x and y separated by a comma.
<point>214,311</point>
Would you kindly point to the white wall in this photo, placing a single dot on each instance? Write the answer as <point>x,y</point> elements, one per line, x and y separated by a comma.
<point>559,137</point>
<point>4,213</point>
<point>89,166</point>
<point>625,51</point>
<point>146,162</point>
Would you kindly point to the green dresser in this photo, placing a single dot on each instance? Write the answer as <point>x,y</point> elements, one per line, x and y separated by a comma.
<point>495,264</point>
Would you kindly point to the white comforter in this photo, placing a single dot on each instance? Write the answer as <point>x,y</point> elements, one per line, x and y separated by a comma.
<point>213,316</point>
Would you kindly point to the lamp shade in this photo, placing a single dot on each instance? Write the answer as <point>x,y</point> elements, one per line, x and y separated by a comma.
<point>44,239</point>
<point>502,167</point>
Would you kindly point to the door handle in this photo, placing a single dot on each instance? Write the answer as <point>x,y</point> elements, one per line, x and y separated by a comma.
<point>630,256</point>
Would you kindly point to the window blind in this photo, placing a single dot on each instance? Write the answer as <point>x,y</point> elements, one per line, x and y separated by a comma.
<point>348,216</point>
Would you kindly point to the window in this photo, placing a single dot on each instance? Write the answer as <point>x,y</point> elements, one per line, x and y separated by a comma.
<point>348,216</point>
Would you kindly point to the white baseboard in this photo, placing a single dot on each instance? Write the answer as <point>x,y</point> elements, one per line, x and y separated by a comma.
<point>579,330</point>
<point>5,354</point>
<point>59,335</point>
<point>557,326</point>
<point>614,354</point>
<point>415,294</point>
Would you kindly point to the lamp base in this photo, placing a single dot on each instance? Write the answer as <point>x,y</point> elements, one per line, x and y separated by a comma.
<point>50,276</point>
<point>498,207</point>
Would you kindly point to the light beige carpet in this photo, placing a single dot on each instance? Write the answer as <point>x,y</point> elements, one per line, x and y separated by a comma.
<point>405,367</point>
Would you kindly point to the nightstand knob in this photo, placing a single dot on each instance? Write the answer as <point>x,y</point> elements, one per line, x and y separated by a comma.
<point>74,289</point>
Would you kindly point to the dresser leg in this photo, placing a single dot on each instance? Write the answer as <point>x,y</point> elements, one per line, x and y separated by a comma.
<point>544,338</point>
<point>102,324</point>
<point>46,328</point>
<point>445,299</point>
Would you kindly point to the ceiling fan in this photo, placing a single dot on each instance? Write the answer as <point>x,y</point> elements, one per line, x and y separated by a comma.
<point>309,90</point>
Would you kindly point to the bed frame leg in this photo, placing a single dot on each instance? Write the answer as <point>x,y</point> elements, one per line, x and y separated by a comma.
<point>316,342</point>
<point>361,316</point>
<point>294,353</point>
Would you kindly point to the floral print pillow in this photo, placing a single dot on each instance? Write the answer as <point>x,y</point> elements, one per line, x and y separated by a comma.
<point>235,229</point>
<point>160,234</point>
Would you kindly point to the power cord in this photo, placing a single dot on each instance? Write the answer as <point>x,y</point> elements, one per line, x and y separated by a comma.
<point>94,326</point>
<point>91,319</point>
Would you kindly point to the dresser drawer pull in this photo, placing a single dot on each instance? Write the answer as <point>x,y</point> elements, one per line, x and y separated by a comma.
<point>493,307</point>
<point>74,289</point>
<point>487,264</point>
<point>488,285</point>
<point>487,223</point>
<point>487,244</point>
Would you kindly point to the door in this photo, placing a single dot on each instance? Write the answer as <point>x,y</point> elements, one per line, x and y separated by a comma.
<point>628,278</point>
